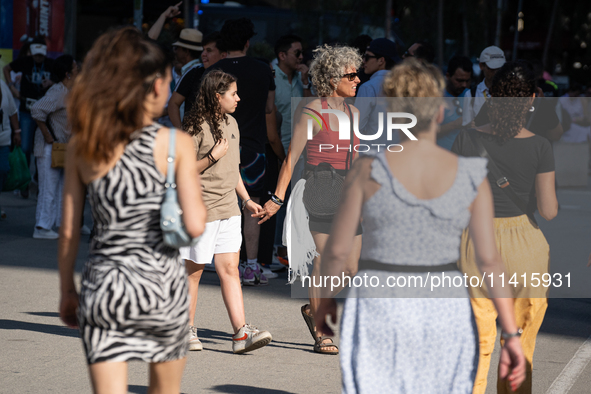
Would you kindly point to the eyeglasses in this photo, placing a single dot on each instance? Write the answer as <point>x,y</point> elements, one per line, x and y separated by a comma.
<point>366,57</point>
<point>351,76</point>
<point>296,53</point>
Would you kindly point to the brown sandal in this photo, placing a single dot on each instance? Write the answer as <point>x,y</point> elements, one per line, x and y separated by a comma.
<point>318,345</point>
<point>309,319</point>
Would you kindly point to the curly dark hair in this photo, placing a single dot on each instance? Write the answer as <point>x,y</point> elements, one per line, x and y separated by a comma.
<point>512,88</point>
<point>207,107</point>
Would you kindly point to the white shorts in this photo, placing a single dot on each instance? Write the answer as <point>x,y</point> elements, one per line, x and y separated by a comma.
<point>220,236</point>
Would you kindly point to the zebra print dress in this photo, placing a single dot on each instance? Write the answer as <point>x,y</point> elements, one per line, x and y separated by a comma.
<point>134,299</point>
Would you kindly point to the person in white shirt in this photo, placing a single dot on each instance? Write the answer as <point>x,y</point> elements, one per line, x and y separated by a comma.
<point>491,59</point>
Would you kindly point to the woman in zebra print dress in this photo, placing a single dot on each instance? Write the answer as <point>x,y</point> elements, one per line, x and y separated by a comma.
<point>133,302</point>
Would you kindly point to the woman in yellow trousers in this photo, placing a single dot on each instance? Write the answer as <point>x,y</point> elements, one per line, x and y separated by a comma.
<point>526,160</point>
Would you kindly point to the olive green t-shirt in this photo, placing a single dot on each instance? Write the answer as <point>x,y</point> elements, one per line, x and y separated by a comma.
<point>219,180</point>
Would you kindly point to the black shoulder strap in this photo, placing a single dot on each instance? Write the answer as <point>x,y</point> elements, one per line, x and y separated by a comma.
<point>473,90</point>
<point>500,180</point>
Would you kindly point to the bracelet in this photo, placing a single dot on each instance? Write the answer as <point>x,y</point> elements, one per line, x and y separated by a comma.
<point>276,200</point>
<point>506,335</point>
<point>244,203</point>
<point>211,158</point>
<point>17,131</point>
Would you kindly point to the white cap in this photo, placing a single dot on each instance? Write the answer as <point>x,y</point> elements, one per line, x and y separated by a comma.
<point>493,56</point>
<point>38,49</point>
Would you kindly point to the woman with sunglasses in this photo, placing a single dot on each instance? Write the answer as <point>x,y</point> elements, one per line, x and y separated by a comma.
<point>334,76</point>
<point>400,334</point>
<point>133,302</point>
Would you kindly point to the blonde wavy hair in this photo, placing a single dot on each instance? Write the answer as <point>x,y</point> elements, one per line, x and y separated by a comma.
<point>410,80</point>
<point>329,65</point>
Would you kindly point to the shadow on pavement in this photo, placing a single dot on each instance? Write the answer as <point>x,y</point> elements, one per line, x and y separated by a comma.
<point>44,314</point>
<point>239,389</point>
<point>568,317</point>
<point>135,389</point>
<point>6,324</point>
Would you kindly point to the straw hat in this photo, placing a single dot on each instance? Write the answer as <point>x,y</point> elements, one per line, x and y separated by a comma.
<point>190,39</point>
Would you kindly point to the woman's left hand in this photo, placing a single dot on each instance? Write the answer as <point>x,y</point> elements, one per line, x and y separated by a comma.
<point>328,306</point>
<point>253,207</point>
<point>68,308</point>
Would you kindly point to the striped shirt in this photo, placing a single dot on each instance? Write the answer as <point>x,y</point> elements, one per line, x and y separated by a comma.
<point>51,109</point>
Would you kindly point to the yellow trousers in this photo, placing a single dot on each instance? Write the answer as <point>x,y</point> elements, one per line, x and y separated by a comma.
<point>524,250</point>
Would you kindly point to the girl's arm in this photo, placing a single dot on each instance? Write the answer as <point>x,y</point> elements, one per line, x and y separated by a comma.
<point>340,242</point>
<point>296,147</point>
<point>219,150</point>
<point>73,204</point>
<point>512,362</point>
<point>243,194</point>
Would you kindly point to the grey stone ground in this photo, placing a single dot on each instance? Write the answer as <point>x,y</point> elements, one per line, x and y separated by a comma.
<point>39,355</point>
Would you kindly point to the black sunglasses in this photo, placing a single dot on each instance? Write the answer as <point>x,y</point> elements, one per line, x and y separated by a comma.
<point>366,57</point>
<point>408,54</point>
<point>351,76</point>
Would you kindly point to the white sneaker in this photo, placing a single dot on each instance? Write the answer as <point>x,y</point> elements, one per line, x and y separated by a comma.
<point>249,338</point>
<point>276,265</point>
<point>84,230</point>
<point>41,233</point>
<point>194,342</point>
<point>267,272</point>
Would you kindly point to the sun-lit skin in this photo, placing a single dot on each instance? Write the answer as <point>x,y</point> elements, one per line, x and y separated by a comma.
<point>347,88</point>
<point>211,55</point>
<point>371,65</point>
<point>229,100</point>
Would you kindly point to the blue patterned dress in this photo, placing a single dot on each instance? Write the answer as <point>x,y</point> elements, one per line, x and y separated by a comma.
<point>391,343</point>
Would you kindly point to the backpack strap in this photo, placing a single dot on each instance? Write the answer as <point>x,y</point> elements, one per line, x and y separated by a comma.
<point>500,180</point>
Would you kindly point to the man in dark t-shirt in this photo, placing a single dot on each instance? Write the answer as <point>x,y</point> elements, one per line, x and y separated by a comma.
<point>35,81</point>
<point>256,88</point>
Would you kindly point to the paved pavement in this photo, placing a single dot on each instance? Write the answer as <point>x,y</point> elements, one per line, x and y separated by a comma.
<point>39,355</point>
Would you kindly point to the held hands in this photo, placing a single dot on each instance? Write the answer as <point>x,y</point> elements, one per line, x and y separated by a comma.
<point>173,10</point>
<point>328,306</point>
<point>269,210</point>
<point>68,308</point>
<point>220,149</point>
<point>253,207</point>
<point>512,363</point>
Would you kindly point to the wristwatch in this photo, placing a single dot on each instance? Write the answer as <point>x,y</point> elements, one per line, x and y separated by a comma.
<point>306,86</point>
<point>506,335</point>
